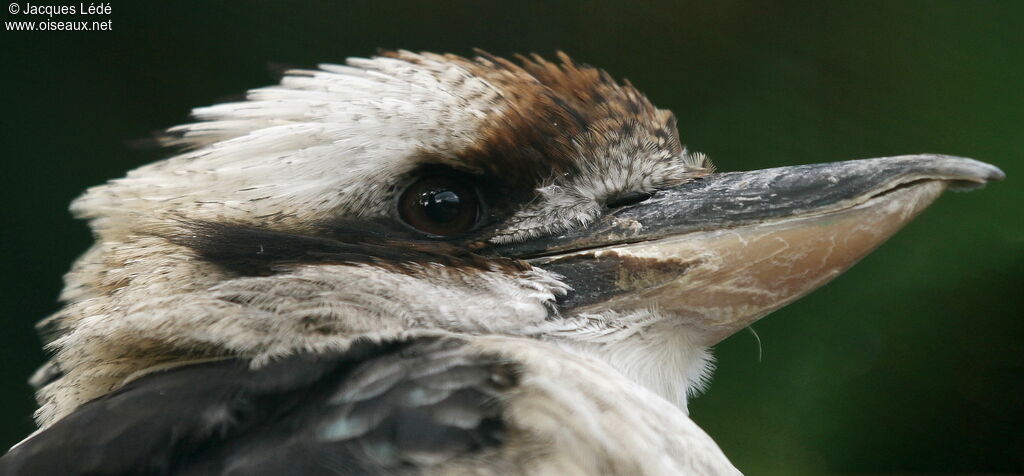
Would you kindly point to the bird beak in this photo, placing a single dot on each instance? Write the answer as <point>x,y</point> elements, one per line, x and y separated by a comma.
<point>720,252</point>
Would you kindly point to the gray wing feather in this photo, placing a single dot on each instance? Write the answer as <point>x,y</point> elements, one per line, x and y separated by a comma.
<point>378,408</point>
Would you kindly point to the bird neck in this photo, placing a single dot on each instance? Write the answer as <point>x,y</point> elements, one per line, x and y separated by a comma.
<point>663,356</point>
<point>145,302</point>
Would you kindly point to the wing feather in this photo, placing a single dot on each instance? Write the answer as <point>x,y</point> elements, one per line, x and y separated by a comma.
<point>378,408</point>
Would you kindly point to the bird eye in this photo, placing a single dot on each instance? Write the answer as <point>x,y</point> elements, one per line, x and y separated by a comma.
<point>442,206</point>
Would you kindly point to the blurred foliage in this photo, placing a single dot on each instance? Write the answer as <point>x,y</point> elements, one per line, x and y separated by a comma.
<point>913,362</point>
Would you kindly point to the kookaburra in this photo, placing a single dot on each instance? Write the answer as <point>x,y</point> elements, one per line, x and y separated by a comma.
<point>431,264</point>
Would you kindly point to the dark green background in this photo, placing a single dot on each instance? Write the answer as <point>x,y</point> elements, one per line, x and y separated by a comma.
<point>911,362</point>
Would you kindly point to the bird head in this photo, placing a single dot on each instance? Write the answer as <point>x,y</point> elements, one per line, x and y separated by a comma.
<point>422,193</point>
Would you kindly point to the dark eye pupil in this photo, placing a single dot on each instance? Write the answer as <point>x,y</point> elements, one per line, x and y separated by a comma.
<point>441,205</point>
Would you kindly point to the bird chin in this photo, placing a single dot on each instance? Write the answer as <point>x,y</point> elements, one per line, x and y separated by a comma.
<point>720,281</point>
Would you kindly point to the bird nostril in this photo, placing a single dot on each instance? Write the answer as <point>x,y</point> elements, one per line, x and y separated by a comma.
<point>626,199</point>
